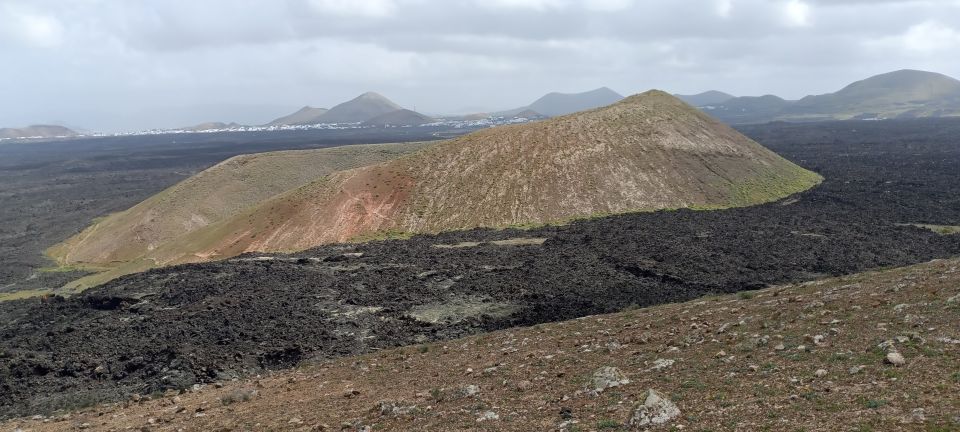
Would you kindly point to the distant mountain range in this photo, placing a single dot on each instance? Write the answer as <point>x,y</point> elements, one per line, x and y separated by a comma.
<point>37,131</point>
<point>400,117</point>
<point>209,126</point>
<point>371,109</point>
<point>900,94</point>
<point>305,115</point>
<point>711,97</point>
<point>557,104</point>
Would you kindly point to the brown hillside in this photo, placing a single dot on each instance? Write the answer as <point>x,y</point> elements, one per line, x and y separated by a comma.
<point>217,193</point>
<point>647,152</point>
<point>810,357</point>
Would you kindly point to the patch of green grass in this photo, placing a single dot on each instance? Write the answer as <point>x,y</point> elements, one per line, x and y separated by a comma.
<point>873,403</point>
<point>66,269</point>
<point>939,229</point>
<point>608,424</point>
<point>838,358</point>
<point>693,384</point>
<point>745,295</point>
<point>24,294</point>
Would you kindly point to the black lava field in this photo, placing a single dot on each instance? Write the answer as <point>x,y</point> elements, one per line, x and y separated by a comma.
<point>51,190</point>
<point>173,327</point>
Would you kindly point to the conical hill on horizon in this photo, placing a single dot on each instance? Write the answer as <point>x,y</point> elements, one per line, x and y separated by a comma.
<point>647,152</point>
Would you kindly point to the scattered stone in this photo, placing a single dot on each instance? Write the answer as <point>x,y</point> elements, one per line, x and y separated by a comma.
<point>954,299</point>
<point>351,393</point>
<point>655,410</point>
<point>567,425</point>
<point>896,359</point>
<point>607,377</point>
<point>295,421</point>
<point>488,416</point>
<point>919,415</point>
<point>388,408</point>
<point>239,395</point>
<point>780,347</point>
<point>855,369</point>
<point>820,373</point>
<point>524,385</point>
<point>469,390</point>
<point>662,364</point>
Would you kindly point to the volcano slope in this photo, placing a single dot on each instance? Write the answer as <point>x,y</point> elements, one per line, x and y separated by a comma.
<point>170,328</point>
<point>120,241</point>
<point>650,151</point>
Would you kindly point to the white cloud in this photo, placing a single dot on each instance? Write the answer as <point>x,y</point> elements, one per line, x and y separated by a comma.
<point>724,8</point>
<point>362,8</point>
<point>443,54</point>
<point>797,13</point>
<point>29,27</point>
<point>608,5</point>
<point>931,37</point>
<point>538,5</point>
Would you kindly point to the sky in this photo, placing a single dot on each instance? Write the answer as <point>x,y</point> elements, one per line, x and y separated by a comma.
<point>123,65</point>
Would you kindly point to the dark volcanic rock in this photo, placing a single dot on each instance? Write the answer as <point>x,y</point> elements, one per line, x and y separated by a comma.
<point>169,328</point>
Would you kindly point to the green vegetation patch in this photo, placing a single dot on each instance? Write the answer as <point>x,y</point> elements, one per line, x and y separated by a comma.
<point>939,229</point>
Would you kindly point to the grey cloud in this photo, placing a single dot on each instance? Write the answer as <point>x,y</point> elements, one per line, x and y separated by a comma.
<point>122,64</point>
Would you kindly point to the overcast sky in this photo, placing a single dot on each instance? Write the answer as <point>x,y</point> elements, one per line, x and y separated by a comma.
<point>113,65</point>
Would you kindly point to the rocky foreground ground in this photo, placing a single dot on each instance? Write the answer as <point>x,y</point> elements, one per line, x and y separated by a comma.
<point>869,352</point>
